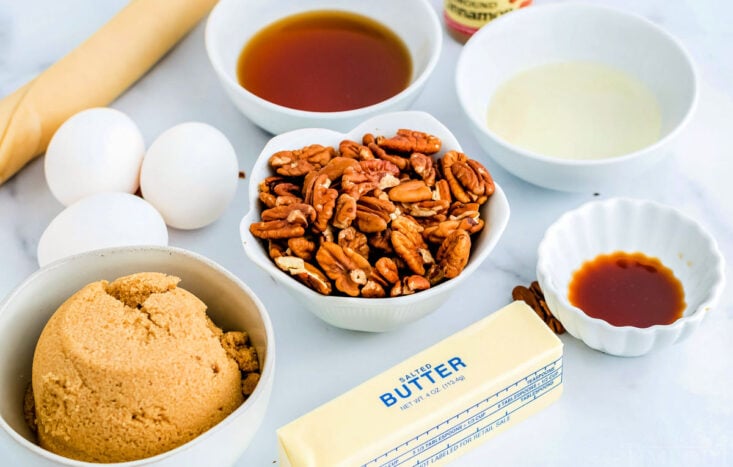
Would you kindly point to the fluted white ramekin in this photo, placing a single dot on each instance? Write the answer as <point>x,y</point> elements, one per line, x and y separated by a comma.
<point>629,225</point>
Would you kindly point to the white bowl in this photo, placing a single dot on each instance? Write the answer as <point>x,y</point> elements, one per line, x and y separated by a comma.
<point>233,22</point>
<point>629,225</point>
<point>540,35</point>
<point>370,314</point>
<point>231,305</point>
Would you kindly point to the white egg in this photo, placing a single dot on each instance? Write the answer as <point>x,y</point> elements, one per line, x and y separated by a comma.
<point>100,221</point>
<point>94,151</point>
<point>190,175</point>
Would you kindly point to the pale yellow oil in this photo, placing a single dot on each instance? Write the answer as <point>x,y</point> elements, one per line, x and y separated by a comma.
<point>575,110</point>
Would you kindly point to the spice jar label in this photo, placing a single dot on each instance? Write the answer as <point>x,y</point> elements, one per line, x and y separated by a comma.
<point>467,16</point>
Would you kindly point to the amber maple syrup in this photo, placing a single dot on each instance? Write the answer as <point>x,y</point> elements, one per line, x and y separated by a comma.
<point>627,289</point>
<point>325,61</point>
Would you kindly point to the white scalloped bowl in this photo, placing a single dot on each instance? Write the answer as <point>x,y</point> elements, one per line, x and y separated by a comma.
<point>370,314</point>
<point>621,224</point>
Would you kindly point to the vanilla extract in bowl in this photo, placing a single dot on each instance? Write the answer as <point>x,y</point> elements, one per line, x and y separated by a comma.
<point>627,289</point>
<point>325,61</point>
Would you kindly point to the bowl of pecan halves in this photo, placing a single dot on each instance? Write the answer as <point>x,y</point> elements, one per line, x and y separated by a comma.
<point>373,228</point>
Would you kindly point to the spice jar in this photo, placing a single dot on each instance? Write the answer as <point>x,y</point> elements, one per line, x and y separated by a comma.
<point>465,17</point>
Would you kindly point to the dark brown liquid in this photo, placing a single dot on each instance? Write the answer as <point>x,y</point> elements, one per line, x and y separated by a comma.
<point>325,61</point>
<point>627,289</point>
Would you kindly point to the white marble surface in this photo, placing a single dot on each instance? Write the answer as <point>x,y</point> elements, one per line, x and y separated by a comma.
<point>670,408</point>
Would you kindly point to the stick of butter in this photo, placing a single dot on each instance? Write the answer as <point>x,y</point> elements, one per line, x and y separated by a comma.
<point>436,405</point>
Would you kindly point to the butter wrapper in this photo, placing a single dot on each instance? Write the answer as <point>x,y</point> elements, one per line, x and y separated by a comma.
<point>438,404</point>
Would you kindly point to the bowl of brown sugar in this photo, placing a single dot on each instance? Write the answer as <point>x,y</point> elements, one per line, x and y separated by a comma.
<point>132,356</point>
<point>317,63</point>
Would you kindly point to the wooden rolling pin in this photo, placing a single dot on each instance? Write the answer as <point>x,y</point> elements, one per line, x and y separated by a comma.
<point>92,75</point>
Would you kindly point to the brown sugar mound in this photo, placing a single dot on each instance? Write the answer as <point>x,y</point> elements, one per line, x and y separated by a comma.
<point>130,369</point>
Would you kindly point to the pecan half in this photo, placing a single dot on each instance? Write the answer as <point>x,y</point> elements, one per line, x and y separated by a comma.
<point>402,162</point>
<point>387,270</point>
<point>485,176</point>
<point>435,274</point>
<point>460,210</point>
<point>471,225</point>
<point>280,200</point>
<point>373,289</point>
<point>302,247</point>
<point>347,268</point>
<point>286,189</point>
<point>373,214</point>
<point>369,222</point>
<point>475,180</point>
<point>354,150</point>
<point>301,161</point>
<point>380,205</point>
<point>428,208</point>
<point>336,166</point>
<point>368,176</point>
<point>296,168</point>
<point>410,245</point>
<point>439,232</point>
<point>305,273</point>
<point>411,191</point>
<point>423,166</point>
<point>469,181</point>
<point>276,191</point>
<point>442,191</point>
<point>324,201</point>
<point>410,227</point>
<point>276,229</point>
<point>345,211</point>
<point>412,284</point>
<point>352,238</point>
<point>454,252</point>
<point>299,213</point>
<point>268,199</point>
<point>409,141</point>
<point>283,158</point>
<point>309,182</point>
<point>409,285</point>
<point>268,183</point>
<point>408,251</point>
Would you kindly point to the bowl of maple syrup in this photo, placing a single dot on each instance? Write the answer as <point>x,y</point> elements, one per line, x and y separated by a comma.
<point>629,276</point>
<point>321,63</point>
